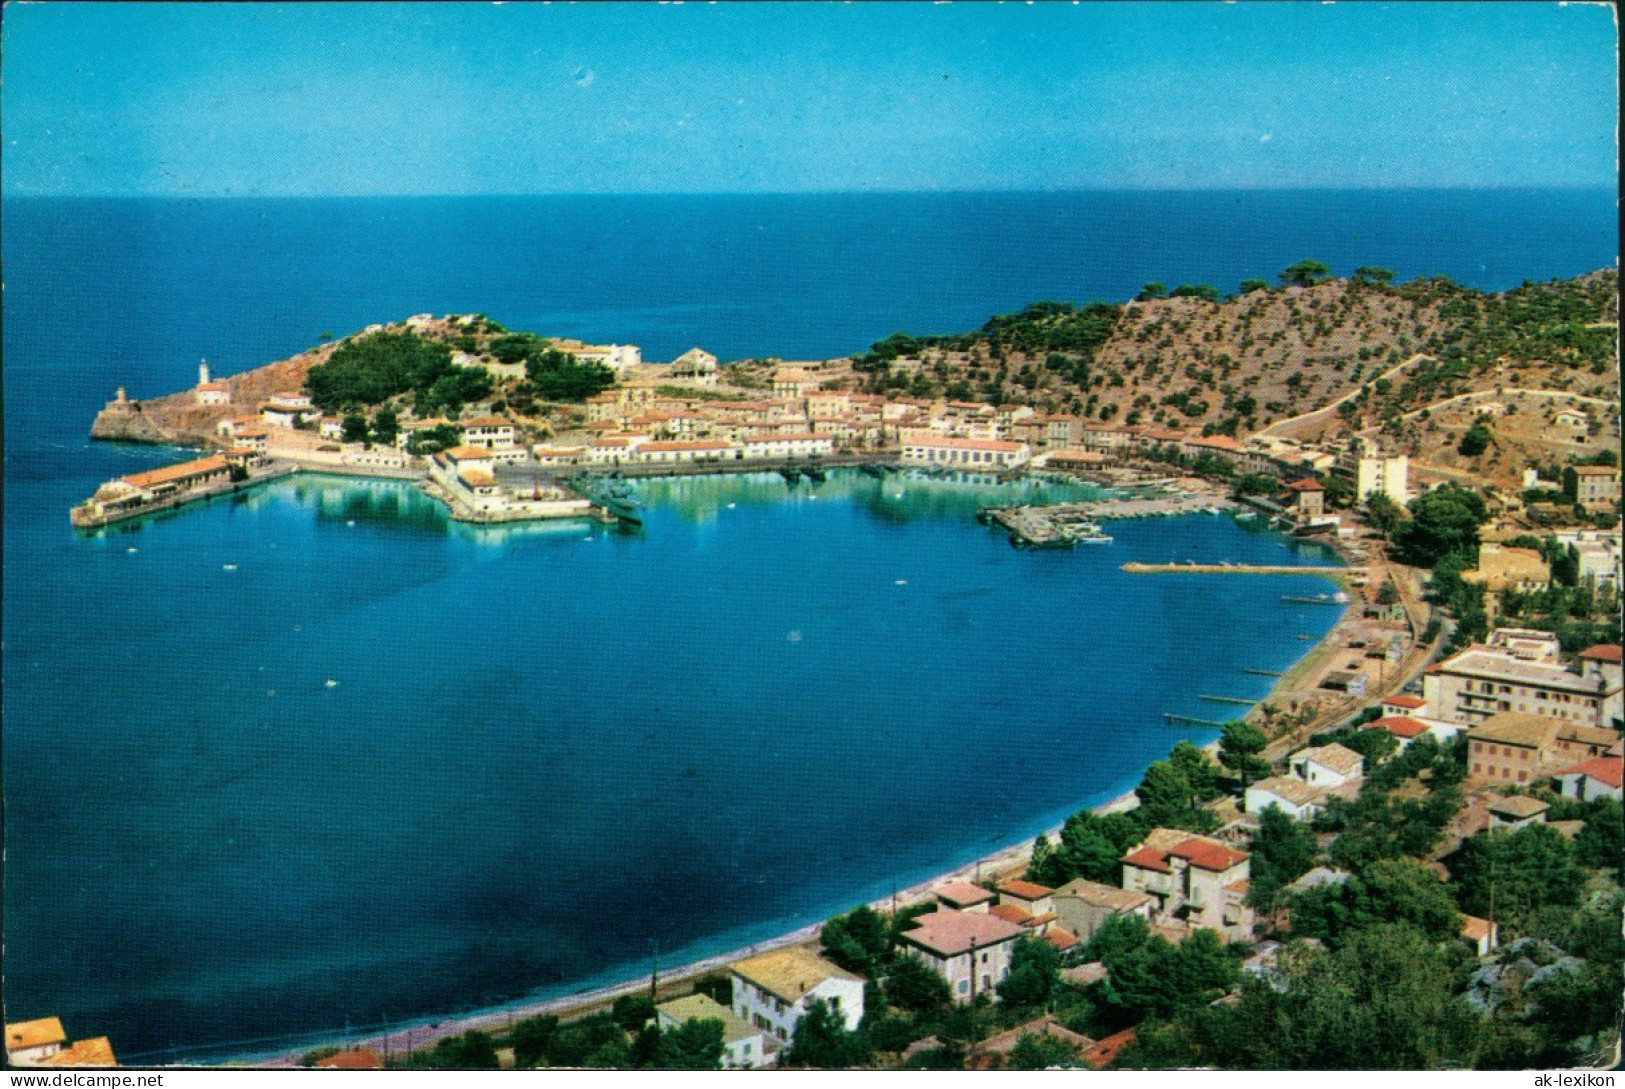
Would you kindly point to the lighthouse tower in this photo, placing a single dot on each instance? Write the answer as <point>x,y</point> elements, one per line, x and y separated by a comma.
<point>203,372</point>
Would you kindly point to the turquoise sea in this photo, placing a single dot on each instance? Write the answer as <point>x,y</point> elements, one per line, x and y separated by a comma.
<point>546,751</point>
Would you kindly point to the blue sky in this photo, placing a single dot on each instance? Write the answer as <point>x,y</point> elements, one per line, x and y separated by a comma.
<point>254,99</point>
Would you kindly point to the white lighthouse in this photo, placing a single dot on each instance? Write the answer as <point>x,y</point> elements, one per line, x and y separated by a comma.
<point>203,372</point>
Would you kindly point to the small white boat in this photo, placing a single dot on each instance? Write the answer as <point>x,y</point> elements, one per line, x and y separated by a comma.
<point>132,549</point>
<point>902,582</point>
<point>228,567</point>
<point>332,684</point>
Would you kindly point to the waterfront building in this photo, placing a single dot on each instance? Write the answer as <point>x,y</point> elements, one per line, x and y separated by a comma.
<point>557,456</point>
<point>772,990</point>
<point>970,950</point>
<point>1083,906</point>
<point>331,427</point>
<point>1309,497</point>
<point>1596,487</point>
<point>743,1044</point>
<point>693,451</point>
<point>1597,777</point>
<point>1512,747</point>
<point>795,444</point>
<point>1520,670</point>
<point>958,453</point>
<point>1196,879</point>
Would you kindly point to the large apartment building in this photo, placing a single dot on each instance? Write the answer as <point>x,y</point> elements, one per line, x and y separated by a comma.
<point>1522,670</point>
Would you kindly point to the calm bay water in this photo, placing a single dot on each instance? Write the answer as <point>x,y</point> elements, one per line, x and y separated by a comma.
<point>549,748</point>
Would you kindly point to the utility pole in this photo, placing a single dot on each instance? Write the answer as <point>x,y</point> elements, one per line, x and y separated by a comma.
<point>654,970</point>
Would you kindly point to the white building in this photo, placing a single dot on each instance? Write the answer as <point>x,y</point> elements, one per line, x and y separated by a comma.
<point>1291,795</point>
<point>1595,778</point>
<point>287,410</point>
<point>743,1045</point>
<point>617,357</point>
<point>970,454</point>
<point>687,453</point>
<point>487,431</point>
<point>1327,765</point>
<point>971,950</point>
<point>794,444</point>
<point>1520,670</point>
<point>31,1043</point>
<point>773,990</point>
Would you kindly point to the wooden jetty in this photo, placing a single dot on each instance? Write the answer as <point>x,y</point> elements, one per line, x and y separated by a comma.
<point>1171,719</point>
<point>1228,699</point>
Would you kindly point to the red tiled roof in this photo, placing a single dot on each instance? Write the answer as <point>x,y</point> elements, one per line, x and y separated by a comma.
<point>1604,769</point>
<point>352,1059</point>
<point>1409,702</point>
<point>1148,859</point>
<point>1399,726</point>
<point>184,471</point>
<point>1602,652</point>
<point>1307,484</point>
<point>1209,856</point>
<point>1026,890</point>
<point>950,933</point>
<point>1105,1051</point>
<point>1011,913</point>
<point>1060,939</point>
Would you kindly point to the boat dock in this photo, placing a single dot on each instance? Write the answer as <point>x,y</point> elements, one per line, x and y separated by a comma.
<point>1062,525</point>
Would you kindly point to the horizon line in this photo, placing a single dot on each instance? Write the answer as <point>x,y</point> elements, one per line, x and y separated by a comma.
<point>1319,187</point>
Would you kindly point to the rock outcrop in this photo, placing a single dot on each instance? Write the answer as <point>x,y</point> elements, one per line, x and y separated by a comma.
<point>124,421</point>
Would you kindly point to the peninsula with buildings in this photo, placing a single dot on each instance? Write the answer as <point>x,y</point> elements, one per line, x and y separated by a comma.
<point>1407,856</point>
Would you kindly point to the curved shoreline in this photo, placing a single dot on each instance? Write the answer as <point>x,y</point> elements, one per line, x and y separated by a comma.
<point>423,1032</point>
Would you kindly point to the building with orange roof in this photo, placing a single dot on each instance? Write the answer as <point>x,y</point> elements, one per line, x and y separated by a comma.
<point>1104,1052</point>
<point>1030,895</point>
<point>30,1043</point>
<point>1484,935</point>
<point>1598,777</point>
<point>351,1058</point>
<point>970,950</point>
<point>955,453</point>
<point>1196,879</point>
<point>964,896</point>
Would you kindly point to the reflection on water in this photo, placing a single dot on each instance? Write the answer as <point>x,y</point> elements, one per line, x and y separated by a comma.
<point>898,497</point>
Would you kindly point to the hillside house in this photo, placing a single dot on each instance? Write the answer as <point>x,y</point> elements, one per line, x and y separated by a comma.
<point>970,950</point>
<point>1083,906</point>
<point>1196,879</point>
<point>771,991</point>
<point>1512,747</point>
<point>744,1046</point>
